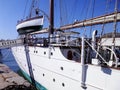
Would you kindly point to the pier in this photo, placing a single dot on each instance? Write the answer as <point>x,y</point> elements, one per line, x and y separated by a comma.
<point>10,43</point>
<point>10,80</point>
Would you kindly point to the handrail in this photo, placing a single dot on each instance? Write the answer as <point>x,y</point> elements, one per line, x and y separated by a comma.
<point>96,52</point>
<point>116,59</point>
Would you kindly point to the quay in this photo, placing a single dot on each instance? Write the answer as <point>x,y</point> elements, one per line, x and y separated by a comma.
<point>9,80</point>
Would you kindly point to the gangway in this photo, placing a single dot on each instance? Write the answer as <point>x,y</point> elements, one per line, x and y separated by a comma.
<point>10,43</point>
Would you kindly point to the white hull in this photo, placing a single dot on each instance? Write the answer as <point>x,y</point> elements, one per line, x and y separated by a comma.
<point>55,72</point>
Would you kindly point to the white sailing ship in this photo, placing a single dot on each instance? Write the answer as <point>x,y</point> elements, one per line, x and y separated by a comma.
<point>64,63</point>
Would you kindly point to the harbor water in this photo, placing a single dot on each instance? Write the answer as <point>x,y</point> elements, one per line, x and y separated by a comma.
<point>7,58</point>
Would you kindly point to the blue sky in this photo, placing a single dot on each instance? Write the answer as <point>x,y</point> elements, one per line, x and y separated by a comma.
<point>10,12</point>
<point>13,10</point>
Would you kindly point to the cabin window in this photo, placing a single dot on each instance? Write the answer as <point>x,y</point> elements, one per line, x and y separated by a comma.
<point>70,55</point>
<point>76,56</point>
<point>45,43</point>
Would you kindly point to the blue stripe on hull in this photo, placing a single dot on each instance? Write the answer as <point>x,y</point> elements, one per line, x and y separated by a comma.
<point>38,86</point>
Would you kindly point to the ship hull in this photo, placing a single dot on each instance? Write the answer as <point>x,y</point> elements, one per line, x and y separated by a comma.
<point>55,72</point>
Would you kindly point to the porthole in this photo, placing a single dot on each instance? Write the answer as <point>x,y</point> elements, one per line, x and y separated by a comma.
<point>63,84</point>
<point>33,69</point>
<point>53,79</point>
<point>51,53</point>
<point>44,53</point>
<point>61,68</point>
<point>43,74</point>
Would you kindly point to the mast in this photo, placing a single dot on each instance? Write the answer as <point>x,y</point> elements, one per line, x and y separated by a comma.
<point>115,26</point>
<point>115,21</point>
<point>51,27</point>
<point>51,31</point>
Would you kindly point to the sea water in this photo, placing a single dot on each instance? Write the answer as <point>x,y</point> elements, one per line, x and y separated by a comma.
<point>8,59</point>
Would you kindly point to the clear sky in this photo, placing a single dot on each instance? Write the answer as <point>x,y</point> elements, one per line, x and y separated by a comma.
<point>10,12</point>
<point>13,10</point>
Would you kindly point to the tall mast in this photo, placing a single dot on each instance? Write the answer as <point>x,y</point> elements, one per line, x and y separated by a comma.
<point>51,31</point>
<point>115,26</point>
<point>115,21</point>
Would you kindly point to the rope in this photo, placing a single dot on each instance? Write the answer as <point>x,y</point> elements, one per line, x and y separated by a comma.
<point>63,12</point>
<point>25,9</point>
<point>106,12</point>
<point>83,8</point>
<point>115,21</point>
<point>75,3</point>
<point>92,16</point>
<point>103,25</point>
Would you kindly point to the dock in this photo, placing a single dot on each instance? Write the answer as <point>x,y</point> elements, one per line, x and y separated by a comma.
<point>9,80</point>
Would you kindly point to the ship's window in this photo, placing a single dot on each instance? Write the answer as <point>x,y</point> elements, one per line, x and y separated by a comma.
<point>76,56</point>
<point>61,68</point>
<point>51,53</point>
<point>70,55</point>
<point>63,84</point>
<point>36,51</point>
<point>53,79</point>
<point>44,52</point>
<point>43,74</point>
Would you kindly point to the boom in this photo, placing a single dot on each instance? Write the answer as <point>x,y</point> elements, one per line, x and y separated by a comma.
<point>94,21</point>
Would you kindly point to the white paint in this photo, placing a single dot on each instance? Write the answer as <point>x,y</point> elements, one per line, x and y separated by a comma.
<point>97,78</point>
<point>109,41</point>
<point>95,61</point>
<point>94,39</point>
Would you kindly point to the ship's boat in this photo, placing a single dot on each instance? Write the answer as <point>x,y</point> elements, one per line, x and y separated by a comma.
<point>30,25</point>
